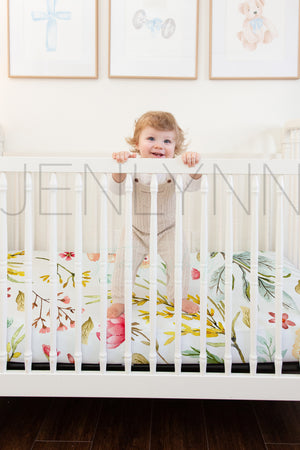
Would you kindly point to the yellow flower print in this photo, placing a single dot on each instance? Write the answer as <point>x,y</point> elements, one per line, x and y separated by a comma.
<point>246,315</point>
<point>296,346</point>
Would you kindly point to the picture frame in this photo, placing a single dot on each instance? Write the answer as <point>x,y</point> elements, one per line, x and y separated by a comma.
<point>153,39</point>
<point>254,39</point>
<point>51,39</point>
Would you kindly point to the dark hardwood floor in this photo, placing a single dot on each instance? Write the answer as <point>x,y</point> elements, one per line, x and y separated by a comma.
<point>113,424</point>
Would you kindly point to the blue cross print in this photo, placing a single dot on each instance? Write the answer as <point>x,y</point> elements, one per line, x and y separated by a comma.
<point>51,16</point>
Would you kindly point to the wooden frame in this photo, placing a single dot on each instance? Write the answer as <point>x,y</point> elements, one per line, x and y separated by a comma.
<point>30,56</point>
<point>148,48</point>
<point>266,47</point>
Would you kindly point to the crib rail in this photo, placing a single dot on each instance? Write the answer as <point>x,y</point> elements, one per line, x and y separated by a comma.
<point>130,383</point>
<point>228,166</point>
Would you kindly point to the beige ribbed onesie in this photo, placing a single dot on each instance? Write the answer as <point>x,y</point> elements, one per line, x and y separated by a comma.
<point>141,234</point>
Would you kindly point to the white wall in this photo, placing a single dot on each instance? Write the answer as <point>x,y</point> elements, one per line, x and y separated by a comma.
<point>44,116</point>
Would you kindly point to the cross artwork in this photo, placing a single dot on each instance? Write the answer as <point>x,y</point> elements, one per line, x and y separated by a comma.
<point>51,16</point>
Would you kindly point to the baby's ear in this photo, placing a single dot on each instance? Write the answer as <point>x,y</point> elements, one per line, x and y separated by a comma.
<point>242,8</point>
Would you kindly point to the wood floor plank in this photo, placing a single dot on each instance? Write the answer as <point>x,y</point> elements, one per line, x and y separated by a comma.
<point>232,425</point>
<point>178,424</point>
<point>70,419</point>
<point>283,446</point>
<point>124,424</point>
<point>279,421</point>
<point>20,421</point>
<point>50,445</point>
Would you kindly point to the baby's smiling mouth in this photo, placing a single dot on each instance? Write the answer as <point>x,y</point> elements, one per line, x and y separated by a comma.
<point>157,155</point>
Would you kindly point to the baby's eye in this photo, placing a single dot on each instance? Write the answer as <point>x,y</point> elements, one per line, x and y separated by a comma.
<point>167,141</point>
<point>150,138</point>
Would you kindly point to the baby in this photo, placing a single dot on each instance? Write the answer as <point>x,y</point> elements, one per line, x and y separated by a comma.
<point>156,135</point>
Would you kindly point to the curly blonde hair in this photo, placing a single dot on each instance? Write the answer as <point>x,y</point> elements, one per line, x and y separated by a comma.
<point>159,120</point>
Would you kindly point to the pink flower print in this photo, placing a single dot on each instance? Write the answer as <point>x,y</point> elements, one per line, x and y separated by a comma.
<point>72,323</point>
<point>44,330</point>
<point>66,299</point>
<point>46,350</point>
<point>8,289</point>
<point>195,274</point>
<point>115,334</point>
<point>70,358</point>
<point>62,327</point>
<point>93,256</point>
<point>285,322</point>
<point>67,255</point>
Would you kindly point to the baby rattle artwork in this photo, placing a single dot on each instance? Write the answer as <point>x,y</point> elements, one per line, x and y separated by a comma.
<point>166,28</point>
<point>257,29</point>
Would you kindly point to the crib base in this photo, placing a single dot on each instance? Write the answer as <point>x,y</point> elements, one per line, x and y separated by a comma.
<point>145,385</point>
<point>290,367</point>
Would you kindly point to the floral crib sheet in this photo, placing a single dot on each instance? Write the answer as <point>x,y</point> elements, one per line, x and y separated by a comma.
<point>140,331</point>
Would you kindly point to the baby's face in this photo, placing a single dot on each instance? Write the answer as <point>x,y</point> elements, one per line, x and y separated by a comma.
<point>155,143</point>
<point>254,9</point>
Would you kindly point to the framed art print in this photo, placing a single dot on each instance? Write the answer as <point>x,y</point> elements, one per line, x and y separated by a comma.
<point>53,38</point>
<point>153,38</point>
<point>254,39</point>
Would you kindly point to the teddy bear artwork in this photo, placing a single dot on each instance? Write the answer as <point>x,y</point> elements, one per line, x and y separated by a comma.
<point>257,29</point>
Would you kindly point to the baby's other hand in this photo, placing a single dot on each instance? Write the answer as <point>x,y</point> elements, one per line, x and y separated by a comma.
<point>122,157</point>
<point>190,158</point>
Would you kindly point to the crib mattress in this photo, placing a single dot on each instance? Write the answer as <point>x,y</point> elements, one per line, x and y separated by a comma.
<point>190,336</point>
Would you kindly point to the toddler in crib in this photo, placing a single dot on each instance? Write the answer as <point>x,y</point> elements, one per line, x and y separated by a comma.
<point>156,135</point>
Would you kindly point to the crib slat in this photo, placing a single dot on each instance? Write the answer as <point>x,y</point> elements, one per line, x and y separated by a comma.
<point>28,274</point>
<point>291,186</point>
<point>203,273</point>
<point>178,274</point>
<point>128,272</point>
<point>103,274</point>
<point>254,274</point>
<point>228,276</point>
<point>295,194</point>
<point>3,273</point>
<point>153,272</point>
<point>17,207</point>
<point>53,271</point>
<point>78,271</point>
<point>279,277</point>
<point>297,201</point>
<point>267,212</point>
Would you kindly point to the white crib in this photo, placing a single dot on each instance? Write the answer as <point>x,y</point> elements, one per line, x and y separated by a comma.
<point>270,185</point>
